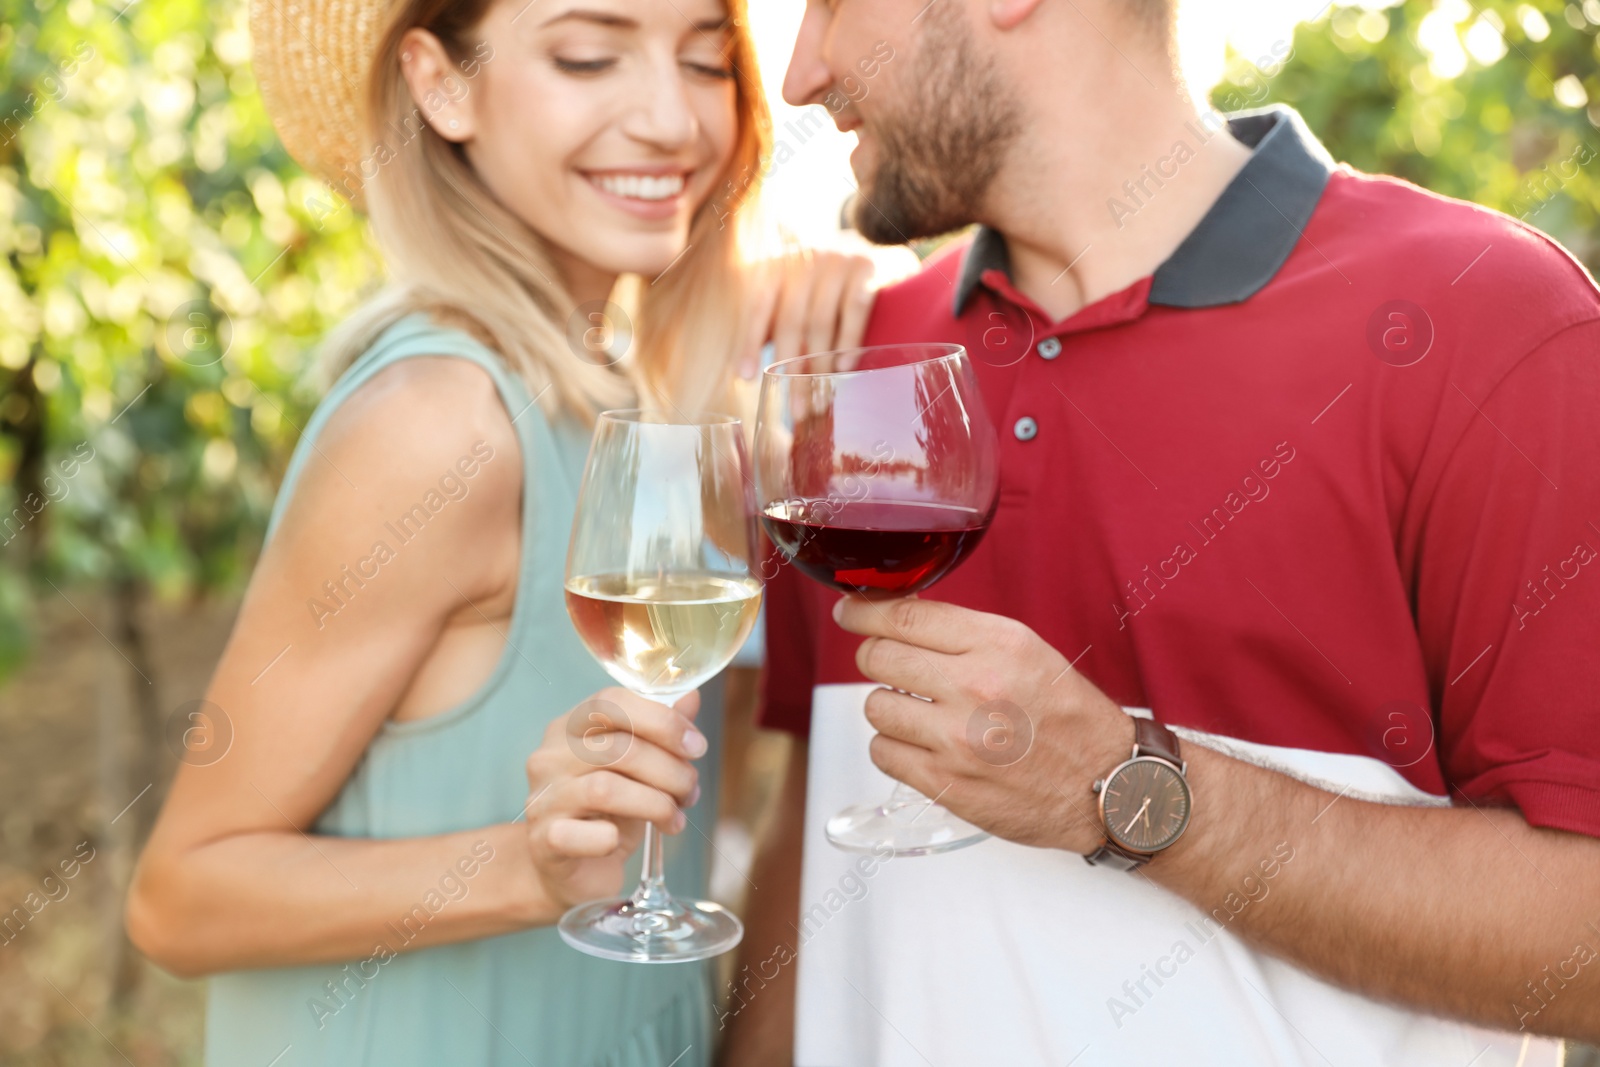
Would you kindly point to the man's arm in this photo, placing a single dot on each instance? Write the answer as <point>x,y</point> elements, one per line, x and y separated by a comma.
<point>1461,912</point>
<point>759,1017</point>
<point>1466,912</point>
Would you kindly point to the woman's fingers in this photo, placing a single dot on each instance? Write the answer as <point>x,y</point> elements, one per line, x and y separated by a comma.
<point>600,730</point>
<point>858,298</point>
<point>766,284</point>
<point>588,839</point>
<point>654,766</point>
<point>671,729</point>
<point>794,305</point>
<point>582,838</point>
<point>820,302</point>
<point>610,795</point>
<point>830,274</point>
<point>626,754</point>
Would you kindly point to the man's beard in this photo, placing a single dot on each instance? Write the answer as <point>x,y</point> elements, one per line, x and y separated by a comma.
<point>937,158</point>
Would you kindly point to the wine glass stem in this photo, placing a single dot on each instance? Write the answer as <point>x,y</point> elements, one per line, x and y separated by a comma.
<point>903,796</point>
<point>652,894</point>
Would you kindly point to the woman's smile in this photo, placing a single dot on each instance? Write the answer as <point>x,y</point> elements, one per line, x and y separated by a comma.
<point>647,192</point>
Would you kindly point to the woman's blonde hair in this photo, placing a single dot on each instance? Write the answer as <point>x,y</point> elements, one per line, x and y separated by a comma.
<point>455,251</point>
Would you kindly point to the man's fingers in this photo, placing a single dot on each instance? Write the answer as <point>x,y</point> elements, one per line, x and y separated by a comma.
<point>925,623</point>
<point>902,762</point>
<point>907,667</point>
<point>904,717</point>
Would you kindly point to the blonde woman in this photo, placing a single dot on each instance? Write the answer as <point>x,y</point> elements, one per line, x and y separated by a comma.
<point>373,864</point>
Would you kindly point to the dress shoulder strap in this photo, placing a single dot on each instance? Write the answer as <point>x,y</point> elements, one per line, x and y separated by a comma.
<point>417,335</point>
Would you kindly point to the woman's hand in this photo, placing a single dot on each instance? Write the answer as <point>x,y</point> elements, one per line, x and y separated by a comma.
<point>810,301</point>
<point>604,769</point>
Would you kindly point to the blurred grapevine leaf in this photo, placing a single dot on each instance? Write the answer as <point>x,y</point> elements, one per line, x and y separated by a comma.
<point>162,283</point>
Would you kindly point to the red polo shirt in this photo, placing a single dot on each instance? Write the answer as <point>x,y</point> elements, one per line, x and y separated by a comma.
<point>1329,479</point>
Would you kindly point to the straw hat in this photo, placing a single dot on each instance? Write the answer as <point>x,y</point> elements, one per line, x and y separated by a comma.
<point>312,59</point>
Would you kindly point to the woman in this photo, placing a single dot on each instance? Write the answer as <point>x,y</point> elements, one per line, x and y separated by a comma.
<point>374,865</point>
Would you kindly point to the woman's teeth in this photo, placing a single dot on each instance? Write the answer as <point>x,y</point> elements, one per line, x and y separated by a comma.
<point>640,187</point>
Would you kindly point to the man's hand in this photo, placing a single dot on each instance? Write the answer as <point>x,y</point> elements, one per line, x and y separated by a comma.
<point>1001,730</point>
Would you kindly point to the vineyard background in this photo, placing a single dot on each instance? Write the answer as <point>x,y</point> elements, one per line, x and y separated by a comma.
<point>165,272</point>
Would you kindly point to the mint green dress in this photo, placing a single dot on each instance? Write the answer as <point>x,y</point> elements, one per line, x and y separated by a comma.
<point>520,999</point>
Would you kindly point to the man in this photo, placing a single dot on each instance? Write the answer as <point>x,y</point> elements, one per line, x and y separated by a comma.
<point>1296,460</point>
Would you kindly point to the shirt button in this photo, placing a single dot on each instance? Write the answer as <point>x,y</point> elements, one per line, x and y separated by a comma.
<point>1050,348</point>
<point>1026,429</point>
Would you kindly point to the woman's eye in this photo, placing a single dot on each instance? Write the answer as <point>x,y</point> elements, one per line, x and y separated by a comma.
<point>583,66</point>
<point>709,70</point>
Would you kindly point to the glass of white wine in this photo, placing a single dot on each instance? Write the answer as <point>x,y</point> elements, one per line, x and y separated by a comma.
<point>661,588</point>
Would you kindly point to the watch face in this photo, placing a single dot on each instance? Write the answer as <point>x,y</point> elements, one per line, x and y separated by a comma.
<point>1145,804</point>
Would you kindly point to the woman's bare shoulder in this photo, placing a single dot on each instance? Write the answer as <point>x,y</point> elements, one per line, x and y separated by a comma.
<point>429,437</point>
<point>426,413</point>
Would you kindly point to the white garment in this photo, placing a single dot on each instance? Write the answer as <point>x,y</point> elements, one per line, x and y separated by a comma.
<point>1004,955</point>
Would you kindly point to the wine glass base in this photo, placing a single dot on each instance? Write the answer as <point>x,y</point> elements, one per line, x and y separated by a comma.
<point>620,929</point>
<point>917,828</point>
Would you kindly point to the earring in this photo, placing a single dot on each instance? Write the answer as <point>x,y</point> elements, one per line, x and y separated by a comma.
<point>454,124</point>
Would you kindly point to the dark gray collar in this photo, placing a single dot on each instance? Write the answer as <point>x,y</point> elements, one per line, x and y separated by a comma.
<point>1245,237</point>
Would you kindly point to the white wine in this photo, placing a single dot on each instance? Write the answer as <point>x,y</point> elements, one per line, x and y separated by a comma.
<point>663,636</point>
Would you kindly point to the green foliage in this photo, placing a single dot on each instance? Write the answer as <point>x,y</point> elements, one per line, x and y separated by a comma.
<point>161,285</point>
<point>1517,134</point>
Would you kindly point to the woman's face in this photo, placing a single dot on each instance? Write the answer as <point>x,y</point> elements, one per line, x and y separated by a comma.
<point>603,124</point>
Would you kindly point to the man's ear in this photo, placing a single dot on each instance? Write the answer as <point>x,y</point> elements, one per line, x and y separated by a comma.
<point>439,91</point>
<point>1008,14</point>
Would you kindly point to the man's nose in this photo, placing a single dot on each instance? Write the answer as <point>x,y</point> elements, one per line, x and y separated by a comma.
<point>808,78</point>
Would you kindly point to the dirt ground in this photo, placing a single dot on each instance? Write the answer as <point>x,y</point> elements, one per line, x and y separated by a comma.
<point>64,730</point>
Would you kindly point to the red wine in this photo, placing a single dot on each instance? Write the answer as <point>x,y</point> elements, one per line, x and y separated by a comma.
<point>873,546</point>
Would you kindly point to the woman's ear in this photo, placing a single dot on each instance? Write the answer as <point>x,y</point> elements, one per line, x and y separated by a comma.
<point>438,89</point>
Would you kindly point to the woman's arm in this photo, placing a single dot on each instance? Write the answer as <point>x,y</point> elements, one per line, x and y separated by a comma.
<point>231,877</point>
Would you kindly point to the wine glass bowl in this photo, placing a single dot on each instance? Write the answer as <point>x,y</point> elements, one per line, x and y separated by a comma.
<point>661,590</point>
<point>877,474</point>
<point>876,470</point>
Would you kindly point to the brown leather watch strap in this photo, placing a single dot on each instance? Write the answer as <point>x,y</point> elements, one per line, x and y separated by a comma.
<point>1117,858</point>
<point>1150,738</point>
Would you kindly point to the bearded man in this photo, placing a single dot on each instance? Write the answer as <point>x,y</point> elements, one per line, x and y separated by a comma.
<point>1286,606</point>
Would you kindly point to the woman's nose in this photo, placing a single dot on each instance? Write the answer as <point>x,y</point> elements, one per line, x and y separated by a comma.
<point>665,116</point>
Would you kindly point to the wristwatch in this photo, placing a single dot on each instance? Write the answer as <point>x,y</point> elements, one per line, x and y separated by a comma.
<point>1145,802</point>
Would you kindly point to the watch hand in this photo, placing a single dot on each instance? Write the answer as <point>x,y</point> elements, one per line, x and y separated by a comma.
<point>1142,809</point>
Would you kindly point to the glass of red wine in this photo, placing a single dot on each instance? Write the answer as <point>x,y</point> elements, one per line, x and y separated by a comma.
<point>877,474</point>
